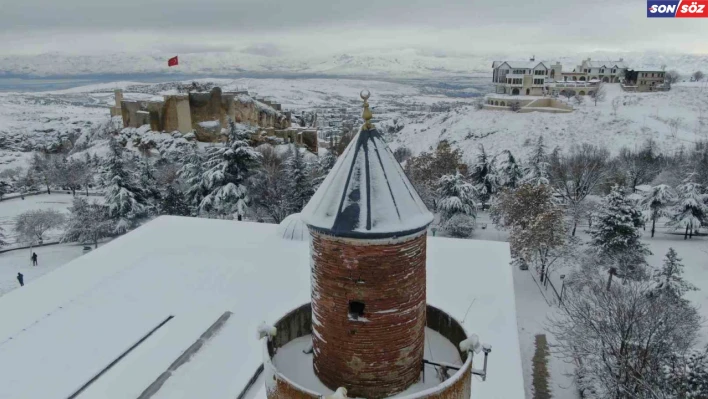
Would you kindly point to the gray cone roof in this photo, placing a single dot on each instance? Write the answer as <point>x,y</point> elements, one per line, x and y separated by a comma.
<point>367,194</point>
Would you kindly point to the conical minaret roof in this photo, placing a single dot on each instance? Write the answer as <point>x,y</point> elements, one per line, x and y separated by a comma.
<point>367,194</point>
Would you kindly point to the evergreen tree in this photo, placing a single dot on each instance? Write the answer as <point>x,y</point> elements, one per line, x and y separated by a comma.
<point>324,166</point>
<point>149,185</point>
<point>510,171</point>
<point>686,375</point>
<point>299,182</point>
<point>192,173</point>
<point>615,234</point>
<point>456,197</point>
<point>656,202</point>
<point>668,279</point>
<point>227,168</point>
<point>174,203</point>
<point>536,170</point>
<point>88,222</point>
<point>690,211</point>
<point>2,237</point>
<point>123,196</point>
<point>484,175</point>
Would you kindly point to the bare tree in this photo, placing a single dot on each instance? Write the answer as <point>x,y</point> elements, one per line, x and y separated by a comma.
<point>32,225</point>
<point>673,76</point>
<point>615,105</point>
<point>622,336</point>
<point>515,106</point>
<point>578,99</point>
<point>698,76</point>
<point>575,175</point>
<point>599,94</point>
<point>674,125</point>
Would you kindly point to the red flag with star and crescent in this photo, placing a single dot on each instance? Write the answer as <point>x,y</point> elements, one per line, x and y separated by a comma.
<point>174,61</point>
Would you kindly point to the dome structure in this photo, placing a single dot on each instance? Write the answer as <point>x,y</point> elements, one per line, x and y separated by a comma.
<point>293,228</point>
<point>367,194</point>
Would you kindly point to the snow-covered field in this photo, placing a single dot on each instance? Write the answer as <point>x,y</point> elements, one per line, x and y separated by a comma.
<point>49,258</point>
<point>11,208</point>
<point>640,116</point>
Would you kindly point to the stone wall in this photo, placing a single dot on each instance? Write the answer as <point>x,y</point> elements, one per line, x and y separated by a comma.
<point>200,112</point>
<point>380,352</point>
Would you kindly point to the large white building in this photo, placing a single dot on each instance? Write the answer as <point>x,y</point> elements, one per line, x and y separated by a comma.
<point>539,78</point>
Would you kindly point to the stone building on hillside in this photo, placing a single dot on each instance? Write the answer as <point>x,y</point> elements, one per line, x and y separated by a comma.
<point>369,321</point>
<point>646,80</point>
<point>207,113</point>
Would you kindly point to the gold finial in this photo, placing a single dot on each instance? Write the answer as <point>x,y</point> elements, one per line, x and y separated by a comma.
<point>365,94</point>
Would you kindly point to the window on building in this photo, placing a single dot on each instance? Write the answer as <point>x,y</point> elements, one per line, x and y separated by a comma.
<point>539,72</point>
<point>356,309</point>
<point>585,70</point>
<point>602,70</point>
<point>614,71</point>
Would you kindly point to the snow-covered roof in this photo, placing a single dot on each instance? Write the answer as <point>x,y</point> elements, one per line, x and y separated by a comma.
<point>367,194</point>
<point>521,64</point>
<point>606,64</point>
<point>293,228</point>
<point>64,328</point>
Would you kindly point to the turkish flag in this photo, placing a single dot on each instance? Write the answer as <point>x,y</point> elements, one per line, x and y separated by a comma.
<point>173,62</point>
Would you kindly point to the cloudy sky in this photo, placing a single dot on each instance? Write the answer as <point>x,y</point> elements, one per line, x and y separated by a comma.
<point>297,27</point>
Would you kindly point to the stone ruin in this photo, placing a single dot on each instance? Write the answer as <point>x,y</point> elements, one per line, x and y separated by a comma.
<point>207,113</point>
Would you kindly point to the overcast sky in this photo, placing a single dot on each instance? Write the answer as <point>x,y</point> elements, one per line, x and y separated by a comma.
<point>296,27</point>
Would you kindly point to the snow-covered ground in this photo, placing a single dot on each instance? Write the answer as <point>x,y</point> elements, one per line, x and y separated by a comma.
<point>640,116</point>
<point>11,208</point>
<point>49,258</point>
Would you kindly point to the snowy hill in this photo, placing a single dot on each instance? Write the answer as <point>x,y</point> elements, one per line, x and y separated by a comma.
<point>396,63</point>
<point>640,117</point>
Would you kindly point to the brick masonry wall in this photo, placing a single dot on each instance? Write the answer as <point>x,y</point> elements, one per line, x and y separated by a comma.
<point>380,354</point>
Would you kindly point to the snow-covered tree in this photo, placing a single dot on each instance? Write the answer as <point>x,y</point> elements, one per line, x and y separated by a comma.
<point>536,225</point>
<point>123,197</point>
<point>536,168</point>
<point>690,210</point>
<point>657,202</point>
<point>668,279</point>
<point>173,202</point>
<point>624,336</point>
<point>299,181</point>
<point>324,166</point>
<point>88,222</point>
<point>575,175</point>
<point>509,169</point>
<point>269,186</point>
<point>2,237</point>
<point>42,166</point>
<point>615,234</point>
<point>484,175</point>
<point>227,168</point>
<point>32,225</point>
<point>686,375</point>
<point>456,195</point>
<point>147,179</point>
<point>459,225</point>
<point>192,173</point>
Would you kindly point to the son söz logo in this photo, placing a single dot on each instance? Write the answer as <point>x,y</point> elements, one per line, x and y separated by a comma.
<point>677,8</point>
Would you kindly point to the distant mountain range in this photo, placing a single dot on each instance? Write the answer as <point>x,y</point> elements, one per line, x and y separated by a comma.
<point>404,63</point>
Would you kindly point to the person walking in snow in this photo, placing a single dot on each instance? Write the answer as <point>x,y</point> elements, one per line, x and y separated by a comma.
<point>21,279</point>
<point>34,259</point>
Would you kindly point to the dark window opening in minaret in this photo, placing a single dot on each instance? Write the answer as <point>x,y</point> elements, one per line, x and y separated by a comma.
<point>356,310</point>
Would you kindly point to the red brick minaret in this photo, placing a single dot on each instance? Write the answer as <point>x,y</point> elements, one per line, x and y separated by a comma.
<point>368,228</point>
